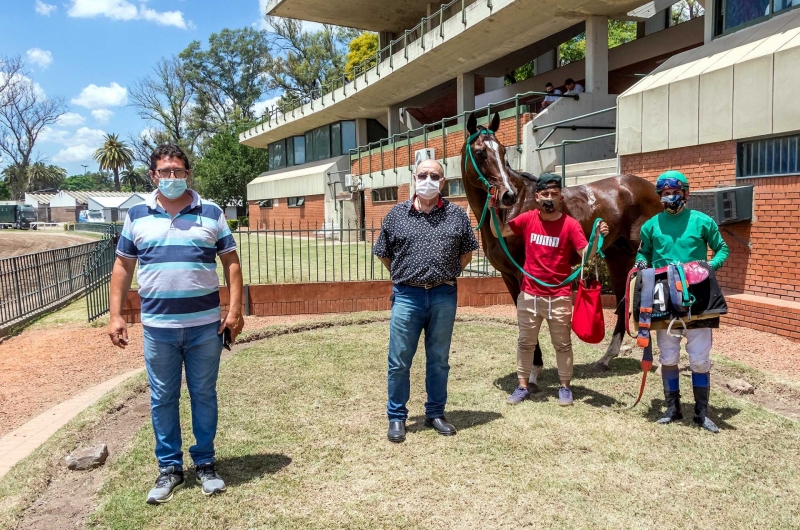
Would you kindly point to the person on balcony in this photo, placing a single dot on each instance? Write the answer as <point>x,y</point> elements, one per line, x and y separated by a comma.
<point>550,239</point>
<point>549,100</point>
<point>175,236</point>
<point>425,243</point>
<point>572,87</point>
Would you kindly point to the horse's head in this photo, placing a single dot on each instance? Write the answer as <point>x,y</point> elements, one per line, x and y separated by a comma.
<point>485,165</point>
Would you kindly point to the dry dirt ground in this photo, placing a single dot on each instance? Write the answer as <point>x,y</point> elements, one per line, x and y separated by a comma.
<point>47,364</point>
<point>16,242</point>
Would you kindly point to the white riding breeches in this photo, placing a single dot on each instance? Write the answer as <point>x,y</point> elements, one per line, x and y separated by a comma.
<point>698,346</point>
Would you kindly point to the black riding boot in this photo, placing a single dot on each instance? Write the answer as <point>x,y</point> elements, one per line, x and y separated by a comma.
<point>672,395</point>
<point>701,408</point>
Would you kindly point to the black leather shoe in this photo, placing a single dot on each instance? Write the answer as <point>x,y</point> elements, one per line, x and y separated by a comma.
<point>441,425</point>
<point>397,431</point>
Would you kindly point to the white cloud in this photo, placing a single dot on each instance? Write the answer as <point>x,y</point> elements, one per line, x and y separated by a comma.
<point>71,119</point>
<point>260,106</point>
<point>78,146</point>
<point>125,10</point>
<point>44,9</point>
<point>39,57</point>
<point>102,115</point>
<point>99,97</point>
<point>17,78</point>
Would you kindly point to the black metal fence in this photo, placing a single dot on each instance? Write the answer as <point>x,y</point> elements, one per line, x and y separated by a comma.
<point>295,252</point>
<point>98,277</point>
<point>32,283</point>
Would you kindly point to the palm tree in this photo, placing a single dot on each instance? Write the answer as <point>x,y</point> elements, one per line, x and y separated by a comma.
<point>134,177</point>
<point>114,155</point>
<point>43,176</point>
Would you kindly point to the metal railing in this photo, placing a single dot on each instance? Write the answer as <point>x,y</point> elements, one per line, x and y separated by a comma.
<point>309,252</point>
<point>563,145</point>
<point>441,125</point>
<point>343,80</point>
<point>32,283</point>
<point>100,228</point>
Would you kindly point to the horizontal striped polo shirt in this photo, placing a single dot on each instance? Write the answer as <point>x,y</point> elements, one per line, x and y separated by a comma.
<point>178,282</point>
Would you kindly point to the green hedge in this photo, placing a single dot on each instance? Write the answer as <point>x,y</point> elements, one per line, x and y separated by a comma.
<point>233,224</point>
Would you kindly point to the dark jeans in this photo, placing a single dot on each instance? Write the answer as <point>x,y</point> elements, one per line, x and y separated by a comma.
<point>416,309</point>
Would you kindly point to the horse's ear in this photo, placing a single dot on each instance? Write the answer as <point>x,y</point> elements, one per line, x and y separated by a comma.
<point>495,125</point>
<point>472,123</point>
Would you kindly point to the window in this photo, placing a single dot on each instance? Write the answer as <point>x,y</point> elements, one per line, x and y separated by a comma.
<point>348,136</point>
<point>732,14</point>
<point>322,143</point>
<point>768,157</point>
<point>299,149</point>
<point>384,194</point>
<point>295,202</point>
<point>453,188</point>
<point>277,154</point>
<point>336,139</point>
<point>267,203</point>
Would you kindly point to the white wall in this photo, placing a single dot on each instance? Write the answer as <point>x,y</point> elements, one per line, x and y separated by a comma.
<point>62,200</point>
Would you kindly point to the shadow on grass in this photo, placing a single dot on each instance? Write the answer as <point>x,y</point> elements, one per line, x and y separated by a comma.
<point>549,382</point>
<point>717,414</point>
<point>461,419</point>
<point>242,469</point>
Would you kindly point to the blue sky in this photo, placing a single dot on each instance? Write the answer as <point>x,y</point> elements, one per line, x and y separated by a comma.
<point>91,51</point>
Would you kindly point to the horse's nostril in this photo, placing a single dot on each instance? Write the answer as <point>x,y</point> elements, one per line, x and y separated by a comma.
<point>508,198</point>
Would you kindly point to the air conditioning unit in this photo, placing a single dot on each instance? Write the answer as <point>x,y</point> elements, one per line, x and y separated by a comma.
<point>726,205</point>
<point>351,182</point>
<point>424,154</point>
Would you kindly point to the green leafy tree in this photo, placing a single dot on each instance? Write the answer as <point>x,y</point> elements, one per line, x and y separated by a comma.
<point>362,54</point>
<point>225,168</point>
<point>684,11</point>
<point>79,183</point>
<point>619,32</point>
<point>113,156</point>
<point>43,176</point>
<point>133,178</point>
<point>5,191</point>
<point>229,75</point>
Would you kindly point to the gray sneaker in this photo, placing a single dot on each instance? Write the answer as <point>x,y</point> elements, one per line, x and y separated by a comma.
<point>564,396</point>
<point>168,479</point>
<point>519,395</point>
<point>207,475</point>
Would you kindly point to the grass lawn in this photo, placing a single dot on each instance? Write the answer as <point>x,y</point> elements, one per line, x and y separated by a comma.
<point>302,444</point>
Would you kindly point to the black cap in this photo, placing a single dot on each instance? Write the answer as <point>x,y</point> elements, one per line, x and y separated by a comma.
<point>548,180</point>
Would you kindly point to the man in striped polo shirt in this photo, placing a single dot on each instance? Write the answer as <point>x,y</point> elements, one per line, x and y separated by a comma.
<point>175,237</point>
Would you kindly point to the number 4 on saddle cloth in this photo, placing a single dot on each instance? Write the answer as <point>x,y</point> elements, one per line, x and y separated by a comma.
<point>685,293</point>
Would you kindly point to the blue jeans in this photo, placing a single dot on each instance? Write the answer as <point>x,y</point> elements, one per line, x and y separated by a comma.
<point>166,350</point>
<point>416,309</point>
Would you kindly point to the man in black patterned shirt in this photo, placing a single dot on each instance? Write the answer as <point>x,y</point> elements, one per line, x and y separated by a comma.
<point>425,243</point>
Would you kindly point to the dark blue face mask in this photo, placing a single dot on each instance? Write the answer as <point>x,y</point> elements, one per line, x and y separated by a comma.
<point>673,203</point>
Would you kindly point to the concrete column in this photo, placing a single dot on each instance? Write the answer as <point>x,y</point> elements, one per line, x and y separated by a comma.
<point>465,93</point>
<point>431,8</point>
<point>597,55</point>
<point>708,23</point>
<point>393,120</point>
<point>545,63</point>
<point>361,131</point>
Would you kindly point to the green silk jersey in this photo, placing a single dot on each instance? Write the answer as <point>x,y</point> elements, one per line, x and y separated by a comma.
<point>681,238</point>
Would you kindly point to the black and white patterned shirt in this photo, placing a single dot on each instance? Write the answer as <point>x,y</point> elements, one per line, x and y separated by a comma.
<point>425,248</point>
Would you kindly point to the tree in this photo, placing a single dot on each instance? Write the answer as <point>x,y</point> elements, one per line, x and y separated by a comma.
<point>684,11</point>
<point>5,191</point>
<point>43,176</point>
<point>24,113</point>
<point>133,178</point>
<point>227,166</point>
<point>113,156</point>
<point>363,53</point>
<point>165,99</point>
<point>305,60</point>
<point>79,183</point>
<point>619,32</point>
<point>230,74</point>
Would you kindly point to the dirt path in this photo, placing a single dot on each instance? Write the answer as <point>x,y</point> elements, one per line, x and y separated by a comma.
<point>16,242</point>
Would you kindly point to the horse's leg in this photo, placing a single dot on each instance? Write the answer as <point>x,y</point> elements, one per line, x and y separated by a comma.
<point>512,284</point>
<point>619,261</point>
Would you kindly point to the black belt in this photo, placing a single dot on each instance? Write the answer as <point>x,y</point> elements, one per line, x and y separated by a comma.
<point>451,283</point>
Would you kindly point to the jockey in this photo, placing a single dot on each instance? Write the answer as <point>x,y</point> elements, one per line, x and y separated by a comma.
<point>681,235</point>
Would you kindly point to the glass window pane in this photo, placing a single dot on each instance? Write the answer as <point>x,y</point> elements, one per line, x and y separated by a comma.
<point>336,139</point>
<point>289,152</point>
<point>322,142</point>
<point>780,5</point>
<point>738,12</point>
<point>309,146</point>
<point>277,155</point>
<point>299,150</point>
<point>349,136</point>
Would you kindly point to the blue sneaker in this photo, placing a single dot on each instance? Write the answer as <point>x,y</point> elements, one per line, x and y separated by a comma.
<point>564,396</point>
<point>519,395</point>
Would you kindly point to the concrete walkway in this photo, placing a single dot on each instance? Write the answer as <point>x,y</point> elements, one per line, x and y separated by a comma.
<point>24,440</point>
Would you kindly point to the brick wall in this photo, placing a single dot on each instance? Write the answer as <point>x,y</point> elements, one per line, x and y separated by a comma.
<point>506,134</point>
<point>312,212</point>
<point>771,267</point>
<point>64,214</point>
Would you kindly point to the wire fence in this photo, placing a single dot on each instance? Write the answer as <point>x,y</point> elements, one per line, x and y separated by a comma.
<point>297,252</point>
<point>32,283</point>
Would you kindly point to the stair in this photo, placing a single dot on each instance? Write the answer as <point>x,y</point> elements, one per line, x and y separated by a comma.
<point>586,172</point>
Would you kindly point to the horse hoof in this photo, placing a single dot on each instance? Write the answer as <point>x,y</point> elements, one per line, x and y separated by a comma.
<point>600,367</point>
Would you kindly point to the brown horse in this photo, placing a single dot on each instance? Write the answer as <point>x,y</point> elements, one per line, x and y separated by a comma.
<point>624,202</point>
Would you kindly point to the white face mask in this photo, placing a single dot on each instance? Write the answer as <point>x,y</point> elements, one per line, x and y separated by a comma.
<point>427,189</point>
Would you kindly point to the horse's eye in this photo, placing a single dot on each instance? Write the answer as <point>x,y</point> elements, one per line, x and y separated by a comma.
<point>480,154</point>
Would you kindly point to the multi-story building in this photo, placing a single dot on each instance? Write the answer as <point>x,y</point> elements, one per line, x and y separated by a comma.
<point>712,96</point>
